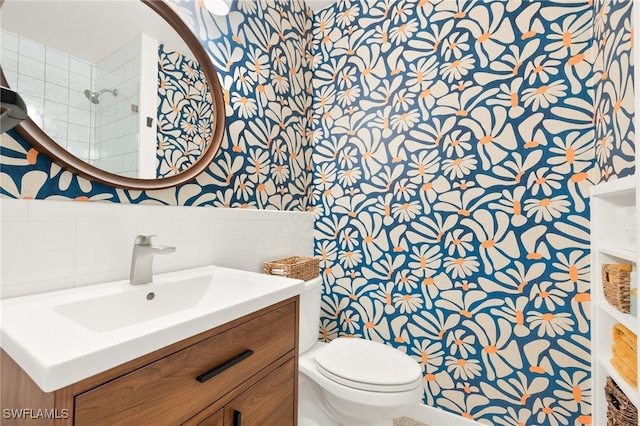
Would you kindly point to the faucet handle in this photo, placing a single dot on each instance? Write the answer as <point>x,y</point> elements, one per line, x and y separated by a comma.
<point>143,239</point>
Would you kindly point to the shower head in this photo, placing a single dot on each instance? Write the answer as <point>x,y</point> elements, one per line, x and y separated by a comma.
<point>94,97</point>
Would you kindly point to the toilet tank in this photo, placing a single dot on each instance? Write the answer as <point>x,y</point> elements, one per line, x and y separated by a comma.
<point>310,314</point>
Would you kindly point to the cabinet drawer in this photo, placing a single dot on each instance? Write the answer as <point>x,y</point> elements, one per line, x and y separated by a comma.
<point>167,392</point>
<point>271,401</point>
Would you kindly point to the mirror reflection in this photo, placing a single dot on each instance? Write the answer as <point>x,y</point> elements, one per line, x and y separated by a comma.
<point>111,82</point>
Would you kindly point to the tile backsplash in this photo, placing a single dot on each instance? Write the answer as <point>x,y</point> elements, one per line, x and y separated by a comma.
<point>52,245</point>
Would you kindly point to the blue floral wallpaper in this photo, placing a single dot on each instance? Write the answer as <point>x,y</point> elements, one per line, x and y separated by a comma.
<point>184,112</point>
<point>455,145</point>
<point>614,89</point>
<point>261,54</point>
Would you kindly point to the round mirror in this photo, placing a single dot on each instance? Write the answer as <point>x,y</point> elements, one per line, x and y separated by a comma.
<point>118,92</point>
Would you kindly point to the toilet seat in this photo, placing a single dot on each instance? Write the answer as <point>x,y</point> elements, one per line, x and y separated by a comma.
<point>367,365</point>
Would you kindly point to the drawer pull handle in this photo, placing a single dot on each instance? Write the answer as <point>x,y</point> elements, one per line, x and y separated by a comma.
<point>237,418</point>
<point>225,365</point>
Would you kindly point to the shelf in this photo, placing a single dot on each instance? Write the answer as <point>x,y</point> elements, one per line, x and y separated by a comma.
<point>631,392</point>
<point>612,187</point>
<point>626,253</point>
<point>628,320</point>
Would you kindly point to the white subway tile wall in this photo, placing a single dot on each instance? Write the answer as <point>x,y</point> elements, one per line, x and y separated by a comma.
<point>116,130</point>
<point>52,84</point>
<point>51,245</point>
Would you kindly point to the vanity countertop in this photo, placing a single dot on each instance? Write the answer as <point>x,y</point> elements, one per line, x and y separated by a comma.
<point>62,337</point>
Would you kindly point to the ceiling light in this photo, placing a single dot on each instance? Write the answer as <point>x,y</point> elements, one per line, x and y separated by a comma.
<point>217,7</point>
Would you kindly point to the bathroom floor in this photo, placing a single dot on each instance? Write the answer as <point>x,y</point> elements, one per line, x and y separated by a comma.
<point>406,421</point>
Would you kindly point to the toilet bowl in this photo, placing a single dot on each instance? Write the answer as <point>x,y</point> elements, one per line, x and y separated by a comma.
<point>350,381</point>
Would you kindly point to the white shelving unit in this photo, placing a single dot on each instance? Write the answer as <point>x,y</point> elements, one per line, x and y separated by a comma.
<point>614,238</point>
<point>615,235</point>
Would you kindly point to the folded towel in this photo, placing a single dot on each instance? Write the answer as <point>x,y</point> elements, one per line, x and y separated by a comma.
<point>625,372</point>
<point>624,354</point>
<point>623,334</point>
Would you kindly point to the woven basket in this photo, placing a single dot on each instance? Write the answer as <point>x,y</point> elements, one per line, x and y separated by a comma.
<point>615,282</point>
<point>620,411</point>
<point>301,268</point>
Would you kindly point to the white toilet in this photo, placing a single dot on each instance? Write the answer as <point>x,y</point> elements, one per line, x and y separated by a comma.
<point>350,381</point>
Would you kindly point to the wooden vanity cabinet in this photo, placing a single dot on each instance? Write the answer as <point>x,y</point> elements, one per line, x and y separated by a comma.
<point>242,373</point>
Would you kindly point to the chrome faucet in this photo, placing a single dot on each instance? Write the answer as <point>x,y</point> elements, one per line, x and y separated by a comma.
<point>142,259</point>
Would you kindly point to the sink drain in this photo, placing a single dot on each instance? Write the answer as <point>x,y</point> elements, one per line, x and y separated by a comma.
<point>151,295</point>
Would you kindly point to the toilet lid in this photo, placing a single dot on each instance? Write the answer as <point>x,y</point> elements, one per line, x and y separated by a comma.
<point>368,365</point>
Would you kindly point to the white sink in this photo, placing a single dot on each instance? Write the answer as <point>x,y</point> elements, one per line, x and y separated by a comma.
<point>62,337</point>
<point>137,305</point>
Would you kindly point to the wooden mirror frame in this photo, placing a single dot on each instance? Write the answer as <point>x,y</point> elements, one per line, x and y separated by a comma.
<point>33,134</point>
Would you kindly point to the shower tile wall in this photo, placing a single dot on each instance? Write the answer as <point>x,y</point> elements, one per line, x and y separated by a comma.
<point>116,130</point>
<point>51,81</point>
